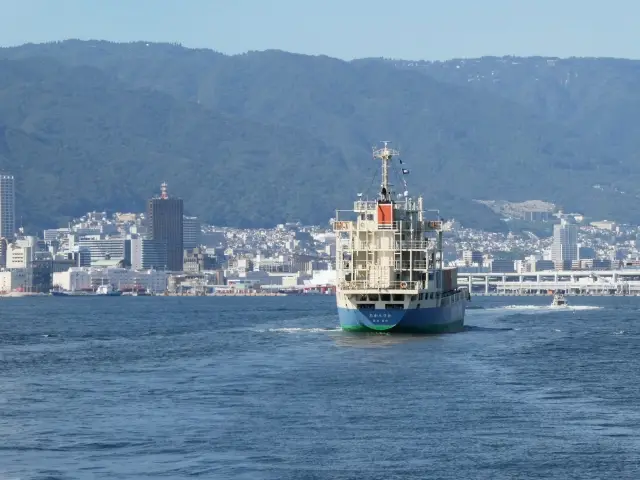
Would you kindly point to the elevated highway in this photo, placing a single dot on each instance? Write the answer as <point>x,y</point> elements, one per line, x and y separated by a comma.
<point>578,282</point>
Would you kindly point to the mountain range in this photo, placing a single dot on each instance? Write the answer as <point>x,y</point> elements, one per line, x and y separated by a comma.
<point>267,137</point>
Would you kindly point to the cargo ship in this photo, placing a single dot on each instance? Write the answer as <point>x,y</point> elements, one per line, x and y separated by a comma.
<point>390,267</point>
<point>58,291</point>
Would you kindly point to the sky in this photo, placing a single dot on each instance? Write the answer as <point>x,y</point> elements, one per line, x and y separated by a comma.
<point>347,29</point>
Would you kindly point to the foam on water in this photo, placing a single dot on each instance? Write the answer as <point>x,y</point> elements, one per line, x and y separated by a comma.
<point>299,330</point>
<point>545,308</point>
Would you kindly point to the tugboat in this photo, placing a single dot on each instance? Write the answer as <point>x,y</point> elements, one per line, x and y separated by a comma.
<point>559,300</point>
<point>390,265</point>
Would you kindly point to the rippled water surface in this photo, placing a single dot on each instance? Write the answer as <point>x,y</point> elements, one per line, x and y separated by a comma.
<point>269,388</point>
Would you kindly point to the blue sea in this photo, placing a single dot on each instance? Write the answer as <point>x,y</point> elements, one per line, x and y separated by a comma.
<point>269,388</point>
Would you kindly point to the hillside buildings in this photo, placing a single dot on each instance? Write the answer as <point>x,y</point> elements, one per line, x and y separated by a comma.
<point>164,250</point>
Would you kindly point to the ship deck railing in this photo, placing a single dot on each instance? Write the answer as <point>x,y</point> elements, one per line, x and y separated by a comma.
<point>357,285</point>
<point>394,246</point>
<point>373,226</point>
<point>408,205</point>
<point>422,265</point>
<point>415,265</point>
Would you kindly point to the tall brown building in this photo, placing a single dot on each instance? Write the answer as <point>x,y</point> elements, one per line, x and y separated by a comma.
<point>164,217</point>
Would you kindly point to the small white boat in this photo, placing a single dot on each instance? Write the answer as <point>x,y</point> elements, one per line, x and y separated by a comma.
<point>108,291</point>
<point>559,300</point>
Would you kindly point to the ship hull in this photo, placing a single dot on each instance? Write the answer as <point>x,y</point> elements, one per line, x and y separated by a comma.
<point>71,294</point>
<point>444,319</point>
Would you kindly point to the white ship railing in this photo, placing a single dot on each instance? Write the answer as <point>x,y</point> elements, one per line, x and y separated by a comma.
<point>342,225</point>
<point>372,285</point>
<point>364,205</point>
<point>395,246</point>
<point>371,205</point>
<point>370,225</point>
<point>365,265</point>
<point>413,245</point>
<point>389,226</point>
<point>416,265</point>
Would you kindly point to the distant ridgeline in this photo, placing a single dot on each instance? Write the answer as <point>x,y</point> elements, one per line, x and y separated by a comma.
<point>266,137</point>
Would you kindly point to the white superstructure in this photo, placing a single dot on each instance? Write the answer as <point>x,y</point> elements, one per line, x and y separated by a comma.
<point>389,253</point>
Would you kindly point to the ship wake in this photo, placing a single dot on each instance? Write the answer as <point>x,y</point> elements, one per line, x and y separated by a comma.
<point>299,330</point>
<point>544,308</point>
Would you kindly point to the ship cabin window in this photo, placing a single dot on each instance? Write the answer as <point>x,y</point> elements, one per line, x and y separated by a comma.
<point>414,298</point>
<point>362,298</point>
<point>430,276</point>
<point>370,216</point>
<point>418,306</point>
<point>438,295</point>
<point>373,297</point>
<point>366,306</point>
<point>398,297</point>
<point>362,216</point>
<point>394,306</point>
<point>385,297</point>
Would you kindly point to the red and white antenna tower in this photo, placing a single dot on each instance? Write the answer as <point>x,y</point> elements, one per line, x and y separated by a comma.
<point>163,191</point>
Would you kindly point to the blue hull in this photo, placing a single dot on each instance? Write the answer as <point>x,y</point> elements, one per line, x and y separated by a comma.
<point>70,294</point>
<point>443,319</point>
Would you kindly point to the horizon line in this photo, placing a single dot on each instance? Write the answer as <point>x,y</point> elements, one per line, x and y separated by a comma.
<point>346,60</point>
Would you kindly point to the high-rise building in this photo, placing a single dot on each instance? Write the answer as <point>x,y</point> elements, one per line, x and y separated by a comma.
<point>4,247</point>
<point>165,222</point>
<point>471,257</point>
<point>191,233</point>
<point>564,249</point>
<point>197,261</point>
<point>7,206</point>
<point>148,254</point>
<point>101,248</point>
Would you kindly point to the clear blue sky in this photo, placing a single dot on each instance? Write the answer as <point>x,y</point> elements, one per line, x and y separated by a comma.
<point>410,29</point>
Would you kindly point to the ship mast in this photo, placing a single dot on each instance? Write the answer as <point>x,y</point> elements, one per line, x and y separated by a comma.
<point>385,154</point>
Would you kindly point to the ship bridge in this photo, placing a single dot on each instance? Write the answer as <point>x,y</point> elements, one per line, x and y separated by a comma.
<point>386,244</point>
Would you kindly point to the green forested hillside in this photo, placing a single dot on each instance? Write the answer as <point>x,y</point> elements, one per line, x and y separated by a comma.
<point>264,137</point>
<point>76,140</point>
